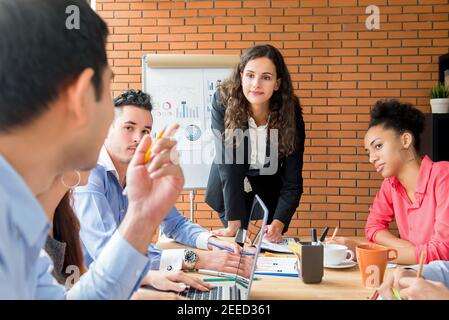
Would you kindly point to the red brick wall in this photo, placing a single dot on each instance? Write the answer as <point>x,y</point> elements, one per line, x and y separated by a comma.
<point>339,69</point>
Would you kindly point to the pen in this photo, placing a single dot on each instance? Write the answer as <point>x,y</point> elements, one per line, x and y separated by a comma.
<point>217,279</point>
<point>230,250</point>
<point>422,258</point>
<point>396,293</point>
<point>222,279</point>
<point>334,234</point>
<point>375,295</point>
<point>148,153</point>
<point>323,236</point>
<point>226,279</point>
<point>221,274</point>
<point>314,240</point>
<point>218,273</point>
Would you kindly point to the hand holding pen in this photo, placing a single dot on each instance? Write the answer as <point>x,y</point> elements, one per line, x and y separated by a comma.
<point>244,253</point>
<point>148,152</point>
<point>143,176</point>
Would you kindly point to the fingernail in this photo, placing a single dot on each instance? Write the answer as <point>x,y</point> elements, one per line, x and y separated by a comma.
<point>183,286</point>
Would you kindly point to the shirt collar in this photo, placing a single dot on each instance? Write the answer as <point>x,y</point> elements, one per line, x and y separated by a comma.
<point>26,212</point>
<point>252,124</point>
<point>105,161</point>
<point>425,170</point>
<point>424,174</point>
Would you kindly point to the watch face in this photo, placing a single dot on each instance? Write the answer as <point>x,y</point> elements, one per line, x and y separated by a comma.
<point>190,257</point>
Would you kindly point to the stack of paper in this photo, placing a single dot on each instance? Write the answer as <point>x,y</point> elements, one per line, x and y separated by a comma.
<point>277,247</point>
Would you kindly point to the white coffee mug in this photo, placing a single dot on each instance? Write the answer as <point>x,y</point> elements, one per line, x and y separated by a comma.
<point>336,254</point>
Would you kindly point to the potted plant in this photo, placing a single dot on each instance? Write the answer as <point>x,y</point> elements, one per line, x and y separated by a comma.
<point>439,99</point>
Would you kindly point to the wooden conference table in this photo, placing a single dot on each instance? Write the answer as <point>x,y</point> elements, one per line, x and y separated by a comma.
<point>337,284</point>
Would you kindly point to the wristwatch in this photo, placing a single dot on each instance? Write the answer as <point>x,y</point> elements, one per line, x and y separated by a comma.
<point>190,259</point>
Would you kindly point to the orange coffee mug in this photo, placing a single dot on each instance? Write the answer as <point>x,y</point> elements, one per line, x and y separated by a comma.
<point>372,259</point>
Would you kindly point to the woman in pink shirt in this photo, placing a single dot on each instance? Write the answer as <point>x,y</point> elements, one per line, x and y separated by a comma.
<point>415,191</point>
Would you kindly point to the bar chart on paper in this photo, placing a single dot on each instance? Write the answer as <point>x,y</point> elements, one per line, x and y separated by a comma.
<point>186,111</point>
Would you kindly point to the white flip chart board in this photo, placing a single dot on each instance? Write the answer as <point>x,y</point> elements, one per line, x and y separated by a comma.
<point>182,87</point>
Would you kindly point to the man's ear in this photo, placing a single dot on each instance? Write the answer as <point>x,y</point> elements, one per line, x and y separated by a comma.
<point>81,94</point>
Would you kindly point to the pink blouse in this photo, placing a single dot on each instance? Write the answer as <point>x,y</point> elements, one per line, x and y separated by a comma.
<point>424,223</point>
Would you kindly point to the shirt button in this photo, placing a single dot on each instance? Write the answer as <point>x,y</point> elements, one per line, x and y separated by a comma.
<point>169,268</point>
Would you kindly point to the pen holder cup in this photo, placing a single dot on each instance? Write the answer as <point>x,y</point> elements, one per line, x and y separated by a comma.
<point>311,262</point>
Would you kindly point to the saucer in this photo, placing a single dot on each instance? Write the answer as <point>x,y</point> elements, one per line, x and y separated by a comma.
<point>343,265</point>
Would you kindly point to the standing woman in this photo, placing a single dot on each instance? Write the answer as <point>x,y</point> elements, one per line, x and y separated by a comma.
<point>258,100</point>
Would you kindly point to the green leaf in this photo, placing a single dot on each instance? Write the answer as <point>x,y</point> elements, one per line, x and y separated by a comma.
<point>439,92</point>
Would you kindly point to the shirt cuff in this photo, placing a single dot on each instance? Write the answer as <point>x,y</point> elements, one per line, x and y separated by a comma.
<point>203,238</point>
<point>171,260</point>
<point>122,262</point>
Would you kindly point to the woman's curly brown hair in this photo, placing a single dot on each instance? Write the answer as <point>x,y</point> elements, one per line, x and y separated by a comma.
<point>284,104</point>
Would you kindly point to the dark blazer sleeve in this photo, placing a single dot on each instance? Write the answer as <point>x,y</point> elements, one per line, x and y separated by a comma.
<point>291,175</point>
<point>230,177</point>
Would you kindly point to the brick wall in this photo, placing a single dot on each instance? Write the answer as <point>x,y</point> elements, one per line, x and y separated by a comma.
<point>339,69</point>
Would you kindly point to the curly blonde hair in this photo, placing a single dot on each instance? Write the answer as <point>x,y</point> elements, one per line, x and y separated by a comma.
<point>284,104</point>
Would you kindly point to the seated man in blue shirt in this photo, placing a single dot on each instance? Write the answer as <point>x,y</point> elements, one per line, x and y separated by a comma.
<point>101,205</point>
<point>433,285</point>
<point>55,110</point>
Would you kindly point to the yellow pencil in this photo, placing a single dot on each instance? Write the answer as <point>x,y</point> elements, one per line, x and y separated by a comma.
<point>396,293</point>
<point>148,153</point>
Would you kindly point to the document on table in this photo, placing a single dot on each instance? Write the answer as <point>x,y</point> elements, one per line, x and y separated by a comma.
<point>277,247</point>
<point>276,266</point>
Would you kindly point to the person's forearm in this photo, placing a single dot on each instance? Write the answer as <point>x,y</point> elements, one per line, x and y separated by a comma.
<point>386,238</point>
<point>278,224</point>
<point>137,230</point>
<point>234,224</point>
<point>406,250</point>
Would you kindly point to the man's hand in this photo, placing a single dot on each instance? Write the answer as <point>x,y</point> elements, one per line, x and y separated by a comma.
<point>225,261</point>
<point>144,294</point>
<point>421,289</point>
<point>392,281</point>
<point>152,191</point>
<point>174,281</point>
<point>273,231</point>
<point>155,188</point>
<point>230,231</point>
<point>235,247</point>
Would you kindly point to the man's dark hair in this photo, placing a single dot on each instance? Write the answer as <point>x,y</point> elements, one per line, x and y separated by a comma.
<point>400,117</point>
<point>39,55</point>
<point>135,98</point>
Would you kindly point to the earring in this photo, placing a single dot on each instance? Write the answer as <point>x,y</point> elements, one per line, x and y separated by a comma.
<point>72,186</point>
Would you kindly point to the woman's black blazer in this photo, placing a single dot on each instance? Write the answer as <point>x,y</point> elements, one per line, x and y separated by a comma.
<point>280,191</point>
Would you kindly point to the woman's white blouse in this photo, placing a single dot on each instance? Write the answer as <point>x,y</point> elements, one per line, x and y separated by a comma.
<point>258,138</point>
